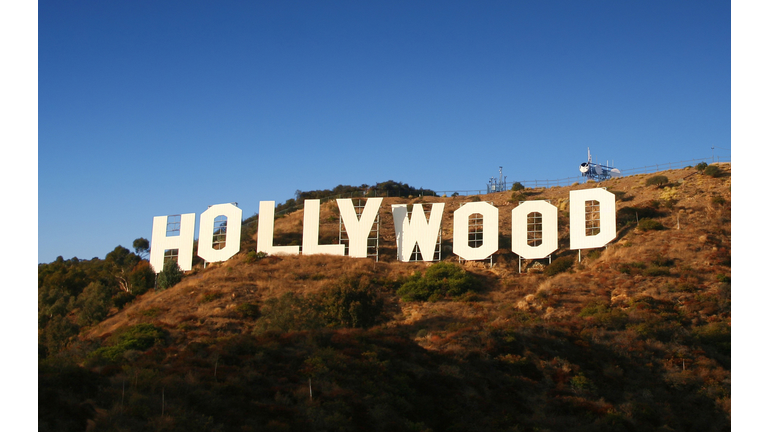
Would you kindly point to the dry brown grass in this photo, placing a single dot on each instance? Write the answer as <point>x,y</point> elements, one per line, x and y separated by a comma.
<point>703,226</point>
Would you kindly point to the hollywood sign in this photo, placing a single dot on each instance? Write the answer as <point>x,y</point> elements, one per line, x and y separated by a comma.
<point>409,231</point>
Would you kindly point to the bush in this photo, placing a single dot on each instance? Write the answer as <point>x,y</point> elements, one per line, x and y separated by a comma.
<point>701,166</point>
<point>253,256</point>
<point>559,265</point>
<point>247,310</point>
<point>139,337</point>
<point>603,315</point>
<point>94,304</point>
<point>290,312</point>
<point>718,200</point>
<point>649,224</point>
<point>657,180</point>
<point>141,278</point>
<point>170,276</point>
<point>713,171</point>
<point>440,280</point>
<point>516,186</point>
<point>209,296</point>
<point>352,302</point>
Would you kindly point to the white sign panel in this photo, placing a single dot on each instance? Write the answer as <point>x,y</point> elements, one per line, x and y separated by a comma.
<point>234,217</point>
<point>183,242</point>
<point>311,235</point>
<point>490,244</point>
<point>358,229</point>
<point>417,230</point>
<point>264,239</point>
<point>520,244</point>
<point>579,237</point>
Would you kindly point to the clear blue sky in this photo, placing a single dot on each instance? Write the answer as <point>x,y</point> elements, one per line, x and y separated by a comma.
<point>150,108</point>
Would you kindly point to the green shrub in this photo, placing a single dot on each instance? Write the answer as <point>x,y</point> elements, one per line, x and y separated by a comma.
<point>94,303</point>
<point>603,315</point>
<point>516,197</point>
<point>209,296</point>
<point>247,310</point>
<point>713,171</point>
<point>657,180</point>
<point>655,270</point>
<point>141,278</point>
<point>170,276</point>
<point>718,200</point>
<point>122,298</point>
<point>440,280</point>
<point>627,215</point>
<point>649,224</point>
<point>516,186</point>
<point>701,166</point>
<point>253,256</point>
<point>290,312</point>
<point>139,337</point>
<point>351,302</point>
<point>559,265</point>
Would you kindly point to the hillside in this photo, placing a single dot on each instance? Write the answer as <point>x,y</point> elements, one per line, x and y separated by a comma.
<point>634,337</point>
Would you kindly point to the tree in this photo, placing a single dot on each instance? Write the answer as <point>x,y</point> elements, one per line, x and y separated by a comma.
<point>170,276</point>
<point>94,304</point>
<point>657,180</point>
<point>516,186</point>
<point>141,246</point>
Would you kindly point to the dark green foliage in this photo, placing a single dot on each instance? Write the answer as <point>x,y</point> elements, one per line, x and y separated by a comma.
<point>657,180</point>
<point>516,197</point>
<point>516,186</point>
<point>713,171</point>
<point>439,281</point>
<point>62,392</point>
<point>141,278</point>
<point>247,310</point>
<point>632,268</point>
<point>170,276</point>
<point>253,256</point>
<point>603,315</point>
<point>141,246</point>
<point>94,303</point>
<point>388,188</point>
<point>122,298</point>
<point>139,337</point>
<point>723,278</point>
<point>628,215</point>
<point>559,265</point>
<point>701,166</point>
<point>209,296</point>
<point>656,270</point>
<point>649,224</point>
<point>716,335</point>
<point>718,200</point>
<point>57,334</point>
<point>290,312</point>
<point>351,302</point>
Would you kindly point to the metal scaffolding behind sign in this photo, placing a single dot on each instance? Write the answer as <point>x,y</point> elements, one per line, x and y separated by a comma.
<point>475,230</point>
<point>437,255</point>
<point>172,229</point>
<point>373,235</point>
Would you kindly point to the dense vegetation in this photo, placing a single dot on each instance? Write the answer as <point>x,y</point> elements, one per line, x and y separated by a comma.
<point>635,337</point>
<point>388,188</point>
<point>77,293</point>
